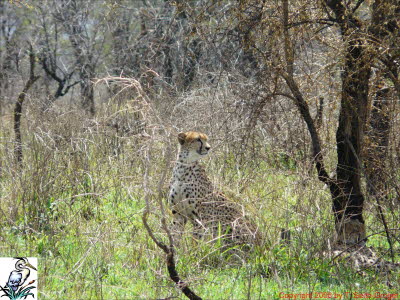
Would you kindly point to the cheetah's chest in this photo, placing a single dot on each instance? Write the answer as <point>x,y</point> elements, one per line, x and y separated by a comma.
<point>188,188</point>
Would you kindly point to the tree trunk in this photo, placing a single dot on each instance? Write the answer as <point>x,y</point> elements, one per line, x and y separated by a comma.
<point>376,154</point>
<point>377,143</point>
<point>348,206</point>
<point>18,108</point>
<point>385,30</point>
<point>87,94</point>
<point>346,188</point>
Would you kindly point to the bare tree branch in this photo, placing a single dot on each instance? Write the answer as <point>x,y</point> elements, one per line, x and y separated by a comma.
<point>18,105</point>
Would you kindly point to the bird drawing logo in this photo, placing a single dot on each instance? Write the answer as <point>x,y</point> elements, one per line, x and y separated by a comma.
<point>19,285</point>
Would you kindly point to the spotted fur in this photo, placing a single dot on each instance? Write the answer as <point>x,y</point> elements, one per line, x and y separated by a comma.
<point>193,198</point>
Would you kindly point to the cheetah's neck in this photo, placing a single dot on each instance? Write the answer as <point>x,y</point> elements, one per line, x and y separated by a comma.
<point>186,172</point>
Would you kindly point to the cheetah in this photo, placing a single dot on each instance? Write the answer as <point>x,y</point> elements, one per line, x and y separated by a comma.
<point>193,198</point>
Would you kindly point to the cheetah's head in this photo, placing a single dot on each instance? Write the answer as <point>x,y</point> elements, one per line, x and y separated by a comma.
<point>193,146</point>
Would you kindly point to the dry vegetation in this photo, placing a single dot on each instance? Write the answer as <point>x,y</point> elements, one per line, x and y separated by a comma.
<point>77,197</point>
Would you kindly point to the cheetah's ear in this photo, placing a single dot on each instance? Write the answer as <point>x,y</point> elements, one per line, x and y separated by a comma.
<point>181,138</point>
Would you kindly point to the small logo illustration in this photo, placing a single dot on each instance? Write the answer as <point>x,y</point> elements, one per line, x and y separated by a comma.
<point>17,277</point>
